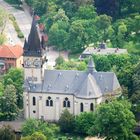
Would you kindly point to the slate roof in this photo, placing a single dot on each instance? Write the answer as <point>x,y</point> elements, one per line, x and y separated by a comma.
<point>33,46</point>
<point>79,83</point>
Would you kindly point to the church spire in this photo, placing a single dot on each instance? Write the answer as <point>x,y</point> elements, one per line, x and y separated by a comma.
<point>91,66</point>
<point>33,47</point>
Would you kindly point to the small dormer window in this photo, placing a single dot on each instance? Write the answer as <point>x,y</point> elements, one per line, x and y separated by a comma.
<point>49,86</point>
<point>66,87</point>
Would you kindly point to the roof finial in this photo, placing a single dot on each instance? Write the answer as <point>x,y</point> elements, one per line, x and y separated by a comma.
<point>91,65</point>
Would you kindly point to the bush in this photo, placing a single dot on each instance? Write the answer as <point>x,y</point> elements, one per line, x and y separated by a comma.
<point>7,133</point>
<point>59,60</point>
<point>19,33</point>
<point>67,122</point>
<point>84,122</point>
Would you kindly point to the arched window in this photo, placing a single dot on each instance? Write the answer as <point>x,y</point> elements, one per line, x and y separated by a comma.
<point>81,107</point>
<point>66,102</point>
<point>91,107</point>
<point>49,101</point>
<point>34,101</point>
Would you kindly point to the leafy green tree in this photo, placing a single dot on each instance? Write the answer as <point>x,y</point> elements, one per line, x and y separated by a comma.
<point>66,122</point>
<point>86,12</point>
<point>26,138</point>
<point>32,125</point>
<point>107,7</point>
<point>103,22</point>
<point>7,133</point>
<point>58,35</point>
<point>135,96</point>
<point>8,106</point>
<point>102,63</point>
<point>1,89</point>
<point>69,7</point>
<point>38,136</point>
<point>84,122</point>
<point>3,20</point>
<point>2,39</point>
<point>15,77</point>
<point>77,36</point>
<point>114,120</point>
<point>14,2</point>
<point>61,16</point>
<point>122,29</point>
<point>39,7</point>
<point>59,60</point>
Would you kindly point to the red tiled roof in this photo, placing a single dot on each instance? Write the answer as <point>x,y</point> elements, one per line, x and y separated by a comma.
<point>7,51</point>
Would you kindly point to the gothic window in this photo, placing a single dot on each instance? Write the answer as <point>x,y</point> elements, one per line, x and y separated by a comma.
<point>34,101</point>
<point>81,107</point>
<point>66,102</point>
<point>91,107</point>
<point>49,101</point>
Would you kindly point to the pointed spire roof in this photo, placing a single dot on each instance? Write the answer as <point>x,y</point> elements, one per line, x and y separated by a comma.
<point>25,45</point>
<point>33,46</point>
<point>91,65</point>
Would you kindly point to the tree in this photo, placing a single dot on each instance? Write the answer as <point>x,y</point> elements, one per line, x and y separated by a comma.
<point>84,122</point>
<point>61,16</point>
<point>8,106</point>
<point>114,120</point>
<point>26,138</point>
<point>77,37</point>
<point>38,136</point>
<point>59,60</point>
<point>40,7</point>
<point>2,39</point>
<point>7,133</point>
<point>3,20</point>
<point>58,35</point>
<point>1,89</point>
<point>109,8</point>
<point>102,63</point>
<point>135,96</point>
<point>15,77</point>
<point>103,22</point>
<point>66,122</point>
<point>86,12</point>
<point>33,125</point>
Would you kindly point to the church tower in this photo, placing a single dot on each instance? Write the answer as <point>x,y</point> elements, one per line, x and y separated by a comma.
<point>32,56</point>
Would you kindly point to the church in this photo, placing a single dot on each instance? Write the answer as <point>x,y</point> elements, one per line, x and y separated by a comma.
<point>48,92</point>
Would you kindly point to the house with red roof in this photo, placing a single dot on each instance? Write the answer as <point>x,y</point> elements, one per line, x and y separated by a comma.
<point>10,56</point>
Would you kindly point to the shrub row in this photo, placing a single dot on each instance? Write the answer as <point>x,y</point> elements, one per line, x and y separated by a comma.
<point>19,33</point>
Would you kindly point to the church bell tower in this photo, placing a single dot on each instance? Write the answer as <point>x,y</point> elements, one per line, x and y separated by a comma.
<point>32,56</point>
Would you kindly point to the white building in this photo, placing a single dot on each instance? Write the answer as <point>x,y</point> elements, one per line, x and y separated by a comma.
<point>48,92</point>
